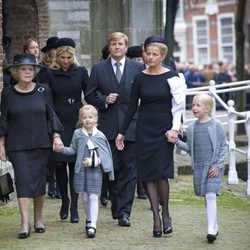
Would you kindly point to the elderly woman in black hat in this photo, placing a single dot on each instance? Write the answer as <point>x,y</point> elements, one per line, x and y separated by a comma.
<point>28,124</point>
<point>68,82</point>
<point>162,101</point>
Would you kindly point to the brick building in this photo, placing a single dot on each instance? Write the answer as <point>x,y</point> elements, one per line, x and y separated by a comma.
<point>205,31</point>
<point>88,22</point>
<point>203,36</point>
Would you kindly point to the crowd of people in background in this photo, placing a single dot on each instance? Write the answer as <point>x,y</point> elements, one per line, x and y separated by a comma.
<point>124,137</point>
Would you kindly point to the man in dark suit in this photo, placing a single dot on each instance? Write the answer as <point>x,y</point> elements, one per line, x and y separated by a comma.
<point>109,90</point>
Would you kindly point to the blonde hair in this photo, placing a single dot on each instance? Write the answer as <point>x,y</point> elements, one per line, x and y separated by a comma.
<point>207,100</point>
<point>61,50</point>
<point>86,107</point>
<point>15,71</point>
<point>47,59</point>
<point>116,36</point>
<point>162,47</point>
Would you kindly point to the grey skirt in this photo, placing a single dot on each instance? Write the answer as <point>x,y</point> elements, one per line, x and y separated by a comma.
<point>89,180</point>
<point>203,184</point>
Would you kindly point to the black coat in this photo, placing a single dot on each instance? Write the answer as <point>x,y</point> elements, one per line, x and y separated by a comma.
<point>103,82</point>
<point>67,88</point>
<point>27,119</point>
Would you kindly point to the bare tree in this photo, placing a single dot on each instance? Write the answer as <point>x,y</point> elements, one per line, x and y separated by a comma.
<point>240,60</point>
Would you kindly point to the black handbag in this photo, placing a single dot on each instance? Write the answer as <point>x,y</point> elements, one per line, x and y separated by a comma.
<point>6,187</point>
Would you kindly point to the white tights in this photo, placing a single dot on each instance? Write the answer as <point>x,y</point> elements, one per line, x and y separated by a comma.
<point>211,211</point>
<point>90,206</point>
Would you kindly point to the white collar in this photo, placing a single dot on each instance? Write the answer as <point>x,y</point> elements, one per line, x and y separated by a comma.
<point>95,130</point>
<point>122,61</point>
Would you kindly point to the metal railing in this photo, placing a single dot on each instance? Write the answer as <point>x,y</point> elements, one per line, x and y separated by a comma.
<point>233,118</point>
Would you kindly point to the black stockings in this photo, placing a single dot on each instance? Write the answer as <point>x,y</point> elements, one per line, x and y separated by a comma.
<point>158,192</point>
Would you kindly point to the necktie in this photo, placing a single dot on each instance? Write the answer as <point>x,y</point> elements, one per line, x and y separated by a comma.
<point>118,73</point>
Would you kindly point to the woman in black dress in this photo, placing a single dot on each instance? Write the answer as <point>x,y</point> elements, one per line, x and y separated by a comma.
<point>162,101</point>
<point>27,126</point>
<point>68,82</point>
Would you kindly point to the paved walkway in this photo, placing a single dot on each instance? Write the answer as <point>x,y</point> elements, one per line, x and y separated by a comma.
<point>187,211</point>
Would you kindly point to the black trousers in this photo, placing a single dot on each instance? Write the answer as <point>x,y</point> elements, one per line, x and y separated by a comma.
<point>122,189</point>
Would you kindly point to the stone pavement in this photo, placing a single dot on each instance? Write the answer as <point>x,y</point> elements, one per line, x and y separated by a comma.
<point>187,212</point>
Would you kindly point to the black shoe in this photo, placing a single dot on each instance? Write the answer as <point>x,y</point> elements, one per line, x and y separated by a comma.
<point>51,194</point>
<point>142,196</point>
<point>168,229</point>
<point>124,221</point>
<point>24,235</point>
<point>64,211</point>
<point>40,230</point>
<point>91,232</point>
<point>157,234</point>
<point>104,201</point>
<point>211,238</point>
<point>114,211</point>
<point>87,227</point>
<point>57,195</point>
<point>74,219</point>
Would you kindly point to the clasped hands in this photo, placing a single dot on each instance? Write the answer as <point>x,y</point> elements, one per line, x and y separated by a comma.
<point>171,136</point>
<point>58,145</point>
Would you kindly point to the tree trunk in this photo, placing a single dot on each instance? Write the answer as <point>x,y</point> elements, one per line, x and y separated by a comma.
<point>240,61</point>
<point>171,8</point>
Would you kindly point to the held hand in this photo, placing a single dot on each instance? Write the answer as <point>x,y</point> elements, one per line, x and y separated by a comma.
<point>85,163</point>
<point>111,98</point>
<point>171,136</point>
<point>212,172</point>
<point>58,145</point>
<point>119,142</point>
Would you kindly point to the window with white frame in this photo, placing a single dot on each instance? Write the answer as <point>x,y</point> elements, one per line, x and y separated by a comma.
<point>201,40</point>
<point>226,37</point>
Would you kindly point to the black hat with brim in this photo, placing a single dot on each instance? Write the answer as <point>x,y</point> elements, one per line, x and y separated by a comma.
<point>25,59</point>
<point>65,41</point>
<point>154,39</point>
<point>50,44</point>
<point>134,51</point>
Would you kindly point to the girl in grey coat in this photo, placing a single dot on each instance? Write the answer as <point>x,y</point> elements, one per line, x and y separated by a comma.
<point>207,145</point>
<point>93,158</point>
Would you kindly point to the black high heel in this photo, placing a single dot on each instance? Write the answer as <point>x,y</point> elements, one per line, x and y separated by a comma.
<point>24,235</point>
<point>168,229</point>
<point>157,234</point>
<point>64,211</point>
<point>40,230</point>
